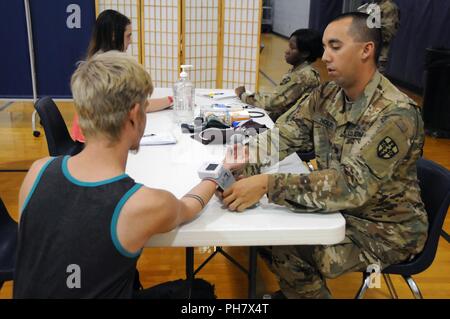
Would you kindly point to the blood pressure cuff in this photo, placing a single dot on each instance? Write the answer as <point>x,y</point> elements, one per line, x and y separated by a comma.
<point>212,134</point>
<point>252,128</point>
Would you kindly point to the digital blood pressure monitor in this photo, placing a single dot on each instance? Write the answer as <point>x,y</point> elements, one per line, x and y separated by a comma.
<point>215,171</point>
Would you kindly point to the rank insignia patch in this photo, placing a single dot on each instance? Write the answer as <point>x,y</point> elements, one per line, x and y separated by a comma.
<point>285,80</point>
<point>387,148</point>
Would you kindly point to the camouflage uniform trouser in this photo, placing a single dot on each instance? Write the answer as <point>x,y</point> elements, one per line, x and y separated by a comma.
<point>383,59</point>
<point>301,270</point>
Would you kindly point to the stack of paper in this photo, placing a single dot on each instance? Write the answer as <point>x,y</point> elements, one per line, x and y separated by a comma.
<point>158,139</point>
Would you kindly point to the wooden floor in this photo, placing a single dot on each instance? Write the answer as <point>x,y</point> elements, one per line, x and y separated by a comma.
<point>18,149</point>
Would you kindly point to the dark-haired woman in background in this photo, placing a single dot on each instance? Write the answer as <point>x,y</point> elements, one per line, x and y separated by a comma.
<point>305,47</point>
<point>112,31</point>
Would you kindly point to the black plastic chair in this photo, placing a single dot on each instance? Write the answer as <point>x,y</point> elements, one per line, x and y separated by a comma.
<point>58,138</point>
<point>8,245</point>
<point>434,183</point>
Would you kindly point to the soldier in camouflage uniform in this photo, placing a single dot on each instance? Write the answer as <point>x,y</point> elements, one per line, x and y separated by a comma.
<point>367,136</point>
<point>305,47</point>
<point>390,21</point>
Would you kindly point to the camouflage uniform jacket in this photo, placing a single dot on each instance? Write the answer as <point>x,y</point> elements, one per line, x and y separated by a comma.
<point>390,21</point>
<point>366,154</point>
<point>297,82</point>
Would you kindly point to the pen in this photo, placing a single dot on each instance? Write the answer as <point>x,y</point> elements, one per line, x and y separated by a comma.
<point>213,94</point>
<point>146,135</point>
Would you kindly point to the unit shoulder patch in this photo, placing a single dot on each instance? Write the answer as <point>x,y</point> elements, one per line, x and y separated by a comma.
<point>387,148</point>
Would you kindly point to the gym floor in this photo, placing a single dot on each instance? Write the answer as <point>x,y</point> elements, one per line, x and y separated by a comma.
<point>18,149</point>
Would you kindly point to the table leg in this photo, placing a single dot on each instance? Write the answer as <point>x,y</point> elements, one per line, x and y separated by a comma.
<point>253,253</point>
<point>189,269</point>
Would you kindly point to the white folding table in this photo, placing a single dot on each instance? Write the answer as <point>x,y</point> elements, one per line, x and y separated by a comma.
<point>174,168</point>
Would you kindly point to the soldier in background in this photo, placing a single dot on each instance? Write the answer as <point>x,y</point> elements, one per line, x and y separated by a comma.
<point>367,136</point>
<point>305,47</point>
<point>390,21</point>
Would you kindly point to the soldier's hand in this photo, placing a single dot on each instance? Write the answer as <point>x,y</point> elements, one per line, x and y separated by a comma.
<point>239,91</point>
<point>219,191</point>
<point>245,193</point>
<point>236,157</point>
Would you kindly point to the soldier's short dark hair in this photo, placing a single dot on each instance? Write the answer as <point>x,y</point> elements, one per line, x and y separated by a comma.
<point>360,31</point>
<point>308,40</point>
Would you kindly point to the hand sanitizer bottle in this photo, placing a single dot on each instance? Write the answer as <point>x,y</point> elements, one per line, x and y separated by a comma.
<point>184,98</point>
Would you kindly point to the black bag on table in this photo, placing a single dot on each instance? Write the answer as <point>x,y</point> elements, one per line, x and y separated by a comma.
<point>216,132</point>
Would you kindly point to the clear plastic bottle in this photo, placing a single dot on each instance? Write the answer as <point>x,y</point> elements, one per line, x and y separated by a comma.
<point>184,98</point>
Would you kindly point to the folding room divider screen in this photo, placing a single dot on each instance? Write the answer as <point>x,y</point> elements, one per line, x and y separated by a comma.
<point>220,38</point>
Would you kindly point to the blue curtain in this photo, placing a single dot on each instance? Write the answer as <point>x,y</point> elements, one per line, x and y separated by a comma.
<point>15,75</point>
<point>57,48</point>
<point>423,24</point>
<point>322,12</point>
